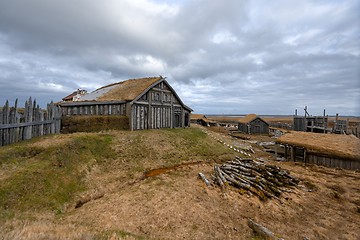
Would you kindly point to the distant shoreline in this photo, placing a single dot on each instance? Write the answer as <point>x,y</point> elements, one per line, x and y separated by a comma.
<point>271,116</point>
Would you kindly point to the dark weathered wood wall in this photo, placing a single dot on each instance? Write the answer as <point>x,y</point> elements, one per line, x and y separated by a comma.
<point>22,124</point>
<point>257,126</point>
<point>333,162</point>
<point>243,127</point>
<point>158,108</point>
<point>299,124</point>
<point>104,108</point>
<point>300,154</point>
<point>311,123</point>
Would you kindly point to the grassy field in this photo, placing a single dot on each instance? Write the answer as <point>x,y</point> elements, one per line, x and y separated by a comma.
<point>37,178</point>
<point>46,175</point>
<point>42,180</point>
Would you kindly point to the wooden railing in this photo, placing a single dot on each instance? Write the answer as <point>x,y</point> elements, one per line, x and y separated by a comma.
<point>17,124</point>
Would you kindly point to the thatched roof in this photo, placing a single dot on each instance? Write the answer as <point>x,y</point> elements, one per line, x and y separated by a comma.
<point>342,146</point>
<point>206,120</point>
<point>197,116</point>
<point>249,118</point>
<point>126,90</point>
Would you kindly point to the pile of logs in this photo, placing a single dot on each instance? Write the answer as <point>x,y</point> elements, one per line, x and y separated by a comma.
<point>265,181</point>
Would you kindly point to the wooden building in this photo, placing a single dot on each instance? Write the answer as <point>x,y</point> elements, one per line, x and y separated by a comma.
<point>74,96</point>
<point>253,124</point>
<point>341,125</point>
<point>207,122</point>
<point>196,117</point>
<point>308,123</point>
<point>147,102</point>
<point>317,124</point>
<point>330,150</point>
<point>203,120</point>
<point>223,121</point>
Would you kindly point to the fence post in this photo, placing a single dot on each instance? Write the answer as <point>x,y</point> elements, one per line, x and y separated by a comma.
<point>28,118</point>
<point>6,121</point>
<point>16,126</point>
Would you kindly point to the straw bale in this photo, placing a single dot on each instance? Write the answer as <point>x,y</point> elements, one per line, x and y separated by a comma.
<point>335,145</point>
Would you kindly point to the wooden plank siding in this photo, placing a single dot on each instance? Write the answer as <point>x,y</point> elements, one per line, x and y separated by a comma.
<point>333,162</point>
<point>158,108</point>
<point>162,114</point>
<point>94,109</point>
<point>32,121</point>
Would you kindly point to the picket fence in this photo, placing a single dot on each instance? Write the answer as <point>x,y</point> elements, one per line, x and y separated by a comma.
<point>17,124</point>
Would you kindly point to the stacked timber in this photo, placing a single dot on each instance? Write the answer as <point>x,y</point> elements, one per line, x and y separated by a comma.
<point>265,181</point>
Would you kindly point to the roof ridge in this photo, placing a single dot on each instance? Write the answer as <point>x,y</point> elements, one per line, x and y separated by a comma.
<point>121,82</point>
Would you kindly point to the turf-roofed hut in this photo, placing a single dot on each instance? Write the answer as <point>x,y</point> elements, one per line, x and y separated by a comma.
<point>330,150</point>
<point>253,124</point>
<point>148,103</point>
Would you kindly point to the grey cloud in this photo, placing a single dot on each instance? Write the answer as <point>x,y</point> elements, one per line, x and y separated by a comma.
<point>239,56</point>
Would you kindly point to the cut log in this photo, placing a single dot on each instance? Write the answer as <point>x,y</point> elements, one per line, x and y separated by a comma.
<point>265,181</point>
<point>262,231</point>
<point>202,176</point>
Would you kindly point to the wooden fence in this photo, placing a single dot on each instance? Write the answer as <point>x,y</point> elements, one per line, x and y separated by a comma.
<point>17,124</point>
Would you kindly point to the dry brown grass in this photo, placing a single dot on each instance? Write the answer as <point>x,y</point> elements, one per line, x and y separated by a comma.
<point>248,118</point>
<point>128,90</point>
<point>223,119</point>
<point>279,119</point>
<point>177,205</point>
<point>196,116</point>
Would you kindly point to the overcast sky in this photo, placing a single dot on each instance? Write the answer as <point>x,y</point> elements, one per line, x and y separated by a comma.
<point>221,56</point>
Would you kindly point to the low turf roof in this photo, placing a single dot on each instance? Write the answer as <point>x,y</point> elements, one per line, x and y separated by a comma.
<point>250,117</point>
<point>126,90</point>
<point>343,146</point>
<point>197,116</point>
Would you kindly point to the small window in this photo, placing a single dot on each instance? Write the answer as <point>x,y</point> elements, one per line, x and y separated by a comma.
<point>167,97</point>
<point>156,96</point>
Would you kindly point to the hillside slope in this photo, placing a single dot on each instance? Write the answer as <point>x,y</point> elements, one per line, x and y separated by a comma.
<point>43,181</point>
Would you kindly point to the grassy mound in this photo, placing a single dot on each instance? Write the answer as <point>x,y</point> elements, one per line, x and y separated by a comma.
<point>46,174</point>
<point>41,180</point>
<point>36,178</point>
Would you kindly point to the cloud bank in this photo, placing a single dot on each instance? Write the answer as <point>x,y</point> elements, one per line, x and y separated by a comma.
<point>221,57</point>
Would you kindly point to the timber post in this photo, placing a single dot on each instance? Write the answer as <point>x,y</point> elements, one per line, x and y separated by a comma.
<point>16,126</point>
